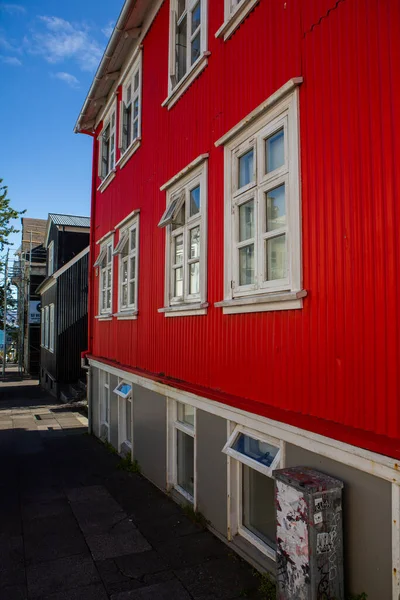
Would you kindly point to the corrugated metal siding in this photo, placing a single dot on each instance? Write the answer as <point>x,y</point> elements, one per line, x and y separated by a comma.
<point>70,220</point>
<point>333,366</point>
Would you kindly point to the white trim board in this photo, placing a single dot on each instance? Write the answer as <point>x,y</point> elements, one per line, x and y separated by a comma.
<point>373,463</point>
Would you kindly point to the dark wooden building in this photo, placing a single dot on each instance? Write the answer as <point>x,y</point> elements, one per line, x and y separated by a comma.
<point>64,305</point>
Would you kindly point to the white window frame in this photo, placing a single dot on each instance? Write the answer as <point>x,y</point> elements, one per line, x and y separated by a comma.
<point>42,328</point>
<point>128,104</point>
<point>235,12</point>
<point>51,328</point>
<point>192,70</point>
<point>104,394</point>
<point>122,421</point>
<point>125,232</point>
<point>235,484</point>
<point>174,425</point>
<point>107,167</point>
<point>50,259</point>
<point>46,327</point>
<point>275,294</point>
<point>178,193</point>
<point>104,266</point>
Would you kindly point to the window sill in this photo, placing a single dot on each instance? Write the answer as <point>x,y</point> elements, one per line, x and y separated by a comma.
<point>185,310</point>
<point>263,303</point>
<point>126,315</point>
<point>187,81</point>
<point>128,153</point>
<point>105,317</point>
<point>106,181</point>
<point>234,21</point>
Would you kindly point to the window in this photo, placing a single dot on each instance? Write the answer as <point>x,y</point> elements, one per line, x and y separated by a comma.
<point>42,327</point>
<point>252,513</point>
<point>262,211</point>
<point>50,259</point>
<point>188,37</point>
<point>124,393</point>
<point>182,449</point>
<point>127,249</point>
<point>185,223</point>
<point>104,409</point>
<point>107,145</point>
<point>104,262</point>
<point>131,107</point>
<point>235,12</point>
<point>46,327</point>
<point>51,328</point>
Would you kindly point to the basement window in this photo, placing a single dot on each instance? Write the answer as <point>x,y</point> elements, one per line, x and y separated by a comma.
<point>182,427</point>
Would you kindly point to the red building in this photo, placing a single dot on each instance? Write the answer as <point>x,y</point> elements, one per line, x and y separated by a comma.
<point>245,252</point>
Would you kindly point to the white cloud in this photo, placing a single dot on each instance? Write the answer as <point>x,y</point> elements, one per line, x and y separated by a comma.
<point>108,29</point>
<point>71,80</point>
<point>61,40</point>
<point>11,60</point>
<point>12,9</point>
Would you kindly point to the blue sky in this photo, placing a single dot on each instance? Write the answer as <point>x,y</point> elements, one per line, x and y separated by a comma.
<point>49,52</point>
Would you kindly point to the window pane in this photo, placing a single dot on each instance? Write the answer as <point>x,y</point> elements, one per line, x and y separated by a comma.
<point>136,81</point>
<point>136,108</point>
<point>109,255</point>
<point>194,282</point>
<point>133,239</point>
<point>108,277</point>
<point>133,267</point>
<point>195,48</point>
<point>195,242</point>
<point>108,298</point>
<point>195,201</point>
<point>181,7</point>
<point>179,249</point>
<point>185,413</point>
<point>179,219</point>
<point>178,288</point>
<point>124,299</point>
<point>124,272</point>
<point>260,451</point>
<point>276,209</point>
<point>275,151</point>
<point>246,221</point>
<point>181,49</point>
<point>185,462</point>
<point>135,129</point>
<point>196,16</point>
<point>128,94</point>
<point>259,505</point>
<point>246,265</point>
<point>132,292</point>
<point>276,258</point>
<point>246,163</point>
<point>128,421</point>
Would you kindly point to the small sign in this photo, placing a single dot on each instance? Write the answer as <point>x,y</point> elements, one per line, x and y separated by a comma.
<point>34,312</point>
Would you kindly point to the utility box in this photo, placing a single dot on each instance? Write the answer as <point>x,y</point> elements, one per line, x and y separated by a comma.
<point>309,537</point>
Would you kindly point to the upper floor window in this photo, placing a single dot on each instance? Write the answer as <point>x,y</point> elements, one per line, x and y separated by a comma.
<point>107,144</point>
<point>105,262</point>
<point>188,37</point>
<point>262,209</point>
<point>185,222</point>
<point>50,259</point>
<point>128,249</point>
<point>235,12</point>
<point>131,107</point>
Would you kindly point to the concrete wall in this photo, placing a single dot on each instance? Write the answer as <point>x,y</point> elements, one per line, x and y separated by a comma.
<point>150,434</point>
<point>366,524</point>
<point>211,434</point>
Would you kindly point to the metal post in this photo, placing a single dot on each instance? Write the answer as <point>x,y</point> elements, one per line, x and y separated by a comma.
<point>5,316</point>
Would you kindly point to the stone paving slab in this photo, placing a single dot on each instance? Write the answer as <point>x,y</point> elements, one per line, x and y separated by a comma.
<point>74,527</point>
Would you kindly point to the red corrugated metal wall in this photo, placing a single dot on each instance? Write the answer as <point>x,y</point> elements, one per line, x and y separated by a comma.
<point>332,366</point>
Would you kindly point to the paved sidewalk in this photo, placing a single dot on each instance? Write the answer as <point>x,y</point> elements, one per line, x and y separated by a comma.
<point>75,527</point>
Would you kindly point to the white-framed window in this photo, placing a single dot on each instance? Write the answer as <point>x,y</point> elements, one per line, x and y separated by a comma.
<point>42,327</point>
<point>128,265</point>
<point>46,326</point>
<point>182,449</point>
<point>131,107</point>
<point>51,328</point>
<point>262,209</point>
<point>235,12</point>
<point>185,220</point>
<point>125,414</point>
<point>50,259</point>
<point>105,264</point>
<point>252,459</point>
<point>188,37</point>
<point>107,142</point>
<point>104,408</point>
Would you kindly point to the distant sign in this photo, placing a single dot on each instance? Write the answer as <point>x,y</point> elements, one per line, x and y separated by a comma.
<point>34,312</point>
